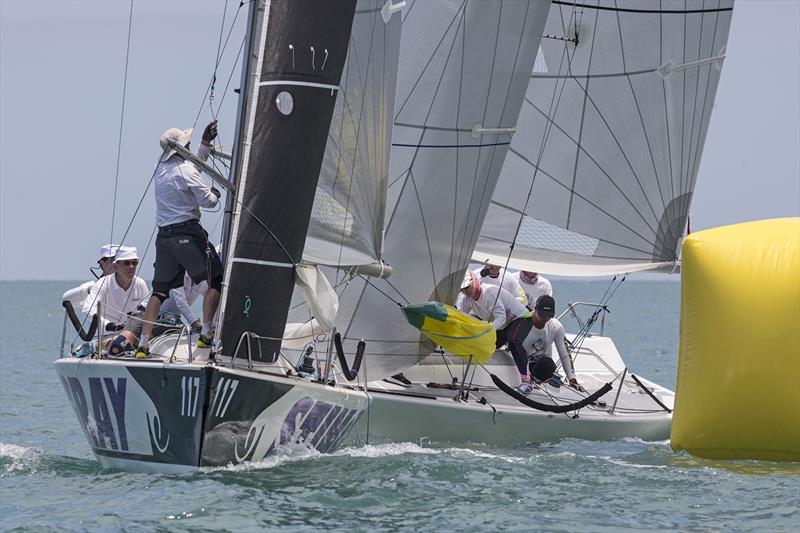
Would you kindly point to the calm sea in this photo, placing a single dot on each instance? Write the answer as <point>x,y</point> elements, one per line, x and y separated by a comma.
<point>49,479</point>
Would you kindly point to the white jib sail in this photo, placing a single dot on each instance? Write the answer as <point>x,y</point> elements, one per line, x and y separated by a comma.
<point>609,138</point>
<point>464,67</point>
<point>346,225</point>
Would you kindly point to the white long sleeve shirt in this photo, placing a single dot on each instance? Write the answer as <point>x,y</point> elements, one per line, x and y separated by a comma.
<point>79,294</point>
<point>500,309</point>
<point>534,290</point>
<point>510,282</point>
<point>180,190</point>
<point>117,302</point>
<point>539,343</point>
<point>181,299</point>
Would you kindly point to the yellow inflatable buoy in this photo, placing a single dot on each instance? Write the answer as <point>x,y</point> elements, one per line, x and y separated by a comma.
<point>738,387</point>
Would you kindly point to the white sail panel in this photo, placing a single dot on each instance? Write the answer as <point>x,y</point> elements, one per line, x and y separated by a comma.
<point>347,219</point>
<point>609,138</point>
<point>463,66</point>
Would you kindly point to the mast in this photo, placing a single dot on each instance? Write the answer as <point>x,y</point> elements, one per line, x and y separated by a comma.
<point>246,88</point>
<point>300,53</point>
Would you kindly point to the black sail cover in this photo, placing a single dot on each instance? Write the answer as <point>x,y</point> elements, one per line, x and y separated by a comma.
<point>303,50</point>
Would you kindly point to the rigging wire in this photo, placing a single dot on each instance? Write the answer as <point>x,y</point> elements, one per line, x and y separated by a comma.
<point>221,53</point>
<point>548,128</point>
<point>121,121</point>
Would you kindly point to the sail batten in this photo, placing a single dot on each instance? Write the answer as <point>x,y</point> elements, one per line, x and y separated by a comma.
<point>610,135</point>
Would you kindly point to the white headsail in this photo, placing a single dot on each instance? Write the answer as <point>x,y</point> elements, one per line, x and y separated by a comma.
<point>464,67</point>
<point>600,173</point>
<point>346,225</point>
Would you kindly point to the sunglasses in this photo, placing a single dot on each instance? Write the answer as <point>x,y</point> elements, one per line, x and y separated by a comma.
<point>130,262</point>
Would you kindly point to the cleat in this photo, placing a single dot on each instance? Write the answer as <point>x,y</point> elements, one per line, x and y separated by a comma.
<point>525,388</point>
<point>142,353</point>
<point>204,342</point>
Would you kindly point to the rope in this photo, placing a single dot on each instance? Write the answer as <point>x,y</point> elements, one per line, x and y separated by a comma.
<point>121,120</point>
<point>547,407</point>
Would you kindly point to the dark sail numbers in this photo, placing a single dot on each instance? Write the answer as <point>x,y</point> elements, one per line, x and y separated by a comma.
<point>105,426</point>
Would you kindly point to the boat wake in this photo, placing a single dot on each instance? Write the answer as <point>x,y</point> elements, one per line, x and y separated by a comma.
<point>21,460</point>
<point>17,459</point>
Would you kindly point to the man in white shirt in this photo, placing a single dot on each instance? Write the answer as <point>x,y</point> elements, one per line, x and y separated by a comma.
<point>546,331</point>
<point>121,295</point>
<point>88,291</point>
<point>510,318</point>
<point>494,275</point>
<point>534,286</point>
<point>182,245</point>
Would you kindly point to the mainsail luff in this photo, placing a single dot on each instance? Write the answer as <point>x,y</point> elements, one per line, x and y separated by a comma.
<point>609,138</point>
<point>299,69</point>
<point>463,66</point>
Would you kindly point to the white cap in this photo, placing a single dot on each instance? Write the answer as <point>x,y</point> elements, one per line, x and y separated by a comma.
<point>173,134</point>
<point>126,253</point>
<point>108,250</point>
<point>467,280</point>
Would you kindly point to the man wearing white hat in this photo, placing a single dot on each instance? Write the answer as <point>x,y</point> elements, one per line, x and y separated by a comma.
<point>87,291</point>
<point>120,294</point>
<point>511,319</point>
<point>182,245</point>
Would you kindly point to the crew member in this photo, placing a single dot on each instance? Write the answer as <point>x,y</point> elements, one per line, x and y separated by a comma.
<point>546,331</point>
<point>534,285</point>
<point>510,318</point>
<point>494,275</point>
<point>87,291</point>
<point>121,295</point>
<point>182,244</point>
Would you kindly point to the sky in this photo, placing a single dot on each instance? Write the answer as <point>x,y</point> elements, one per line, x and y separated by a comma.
<point>62,74</point>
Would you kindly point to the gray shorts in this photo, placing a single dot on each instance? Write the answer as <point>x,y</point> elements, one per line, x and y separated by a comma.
<point>182,248</point>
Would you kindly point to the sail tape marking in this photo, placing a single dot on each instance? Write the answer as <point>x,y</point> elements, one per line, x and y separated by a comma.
<point>575,5</point>
<point>449,145</point>
<point>299,83</point>
<point>260,262</point>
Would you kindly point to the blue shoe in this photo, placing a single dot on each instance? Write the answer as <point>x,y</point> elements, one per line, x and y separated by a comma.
<point>525,388</point>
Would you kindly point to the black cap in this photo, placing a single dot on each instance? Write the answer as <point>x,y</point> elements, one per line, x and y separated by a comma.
<point>546,306</point>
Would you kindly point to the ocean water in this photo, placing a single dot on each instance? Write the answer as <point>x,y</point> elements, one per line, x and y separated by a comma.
<point>49,479</point>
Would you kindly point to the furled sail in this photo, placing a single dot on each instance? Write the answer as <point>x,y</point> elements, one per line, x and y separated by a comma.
<point>301,47</point>
<point>600,174</point>
<point>346,225</point>
<point>464,67</point>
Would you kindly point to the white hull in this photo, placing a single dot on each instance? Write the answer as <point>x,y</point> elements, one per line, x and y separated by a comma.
<point>420,413</point>
<point>172,416</point>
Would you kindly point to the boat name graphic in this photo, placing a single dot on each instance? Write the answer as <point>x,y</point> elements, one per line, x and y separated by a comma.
<point>309,422</point>
<point>105,426</point>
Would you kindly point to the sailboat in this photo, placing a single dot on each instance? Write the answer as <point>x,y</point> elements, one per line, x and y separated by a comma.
<point>377,144</point>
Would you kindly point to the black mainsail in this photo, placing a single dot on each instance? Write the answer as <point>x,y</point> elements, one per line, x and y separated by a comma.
<point>302,46</point>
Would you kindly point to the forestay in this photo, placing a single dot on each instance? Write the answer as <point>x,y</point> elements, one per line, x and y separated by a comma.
<point>609,139</point>
<point>464,67</point>
<point>346,225</point>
